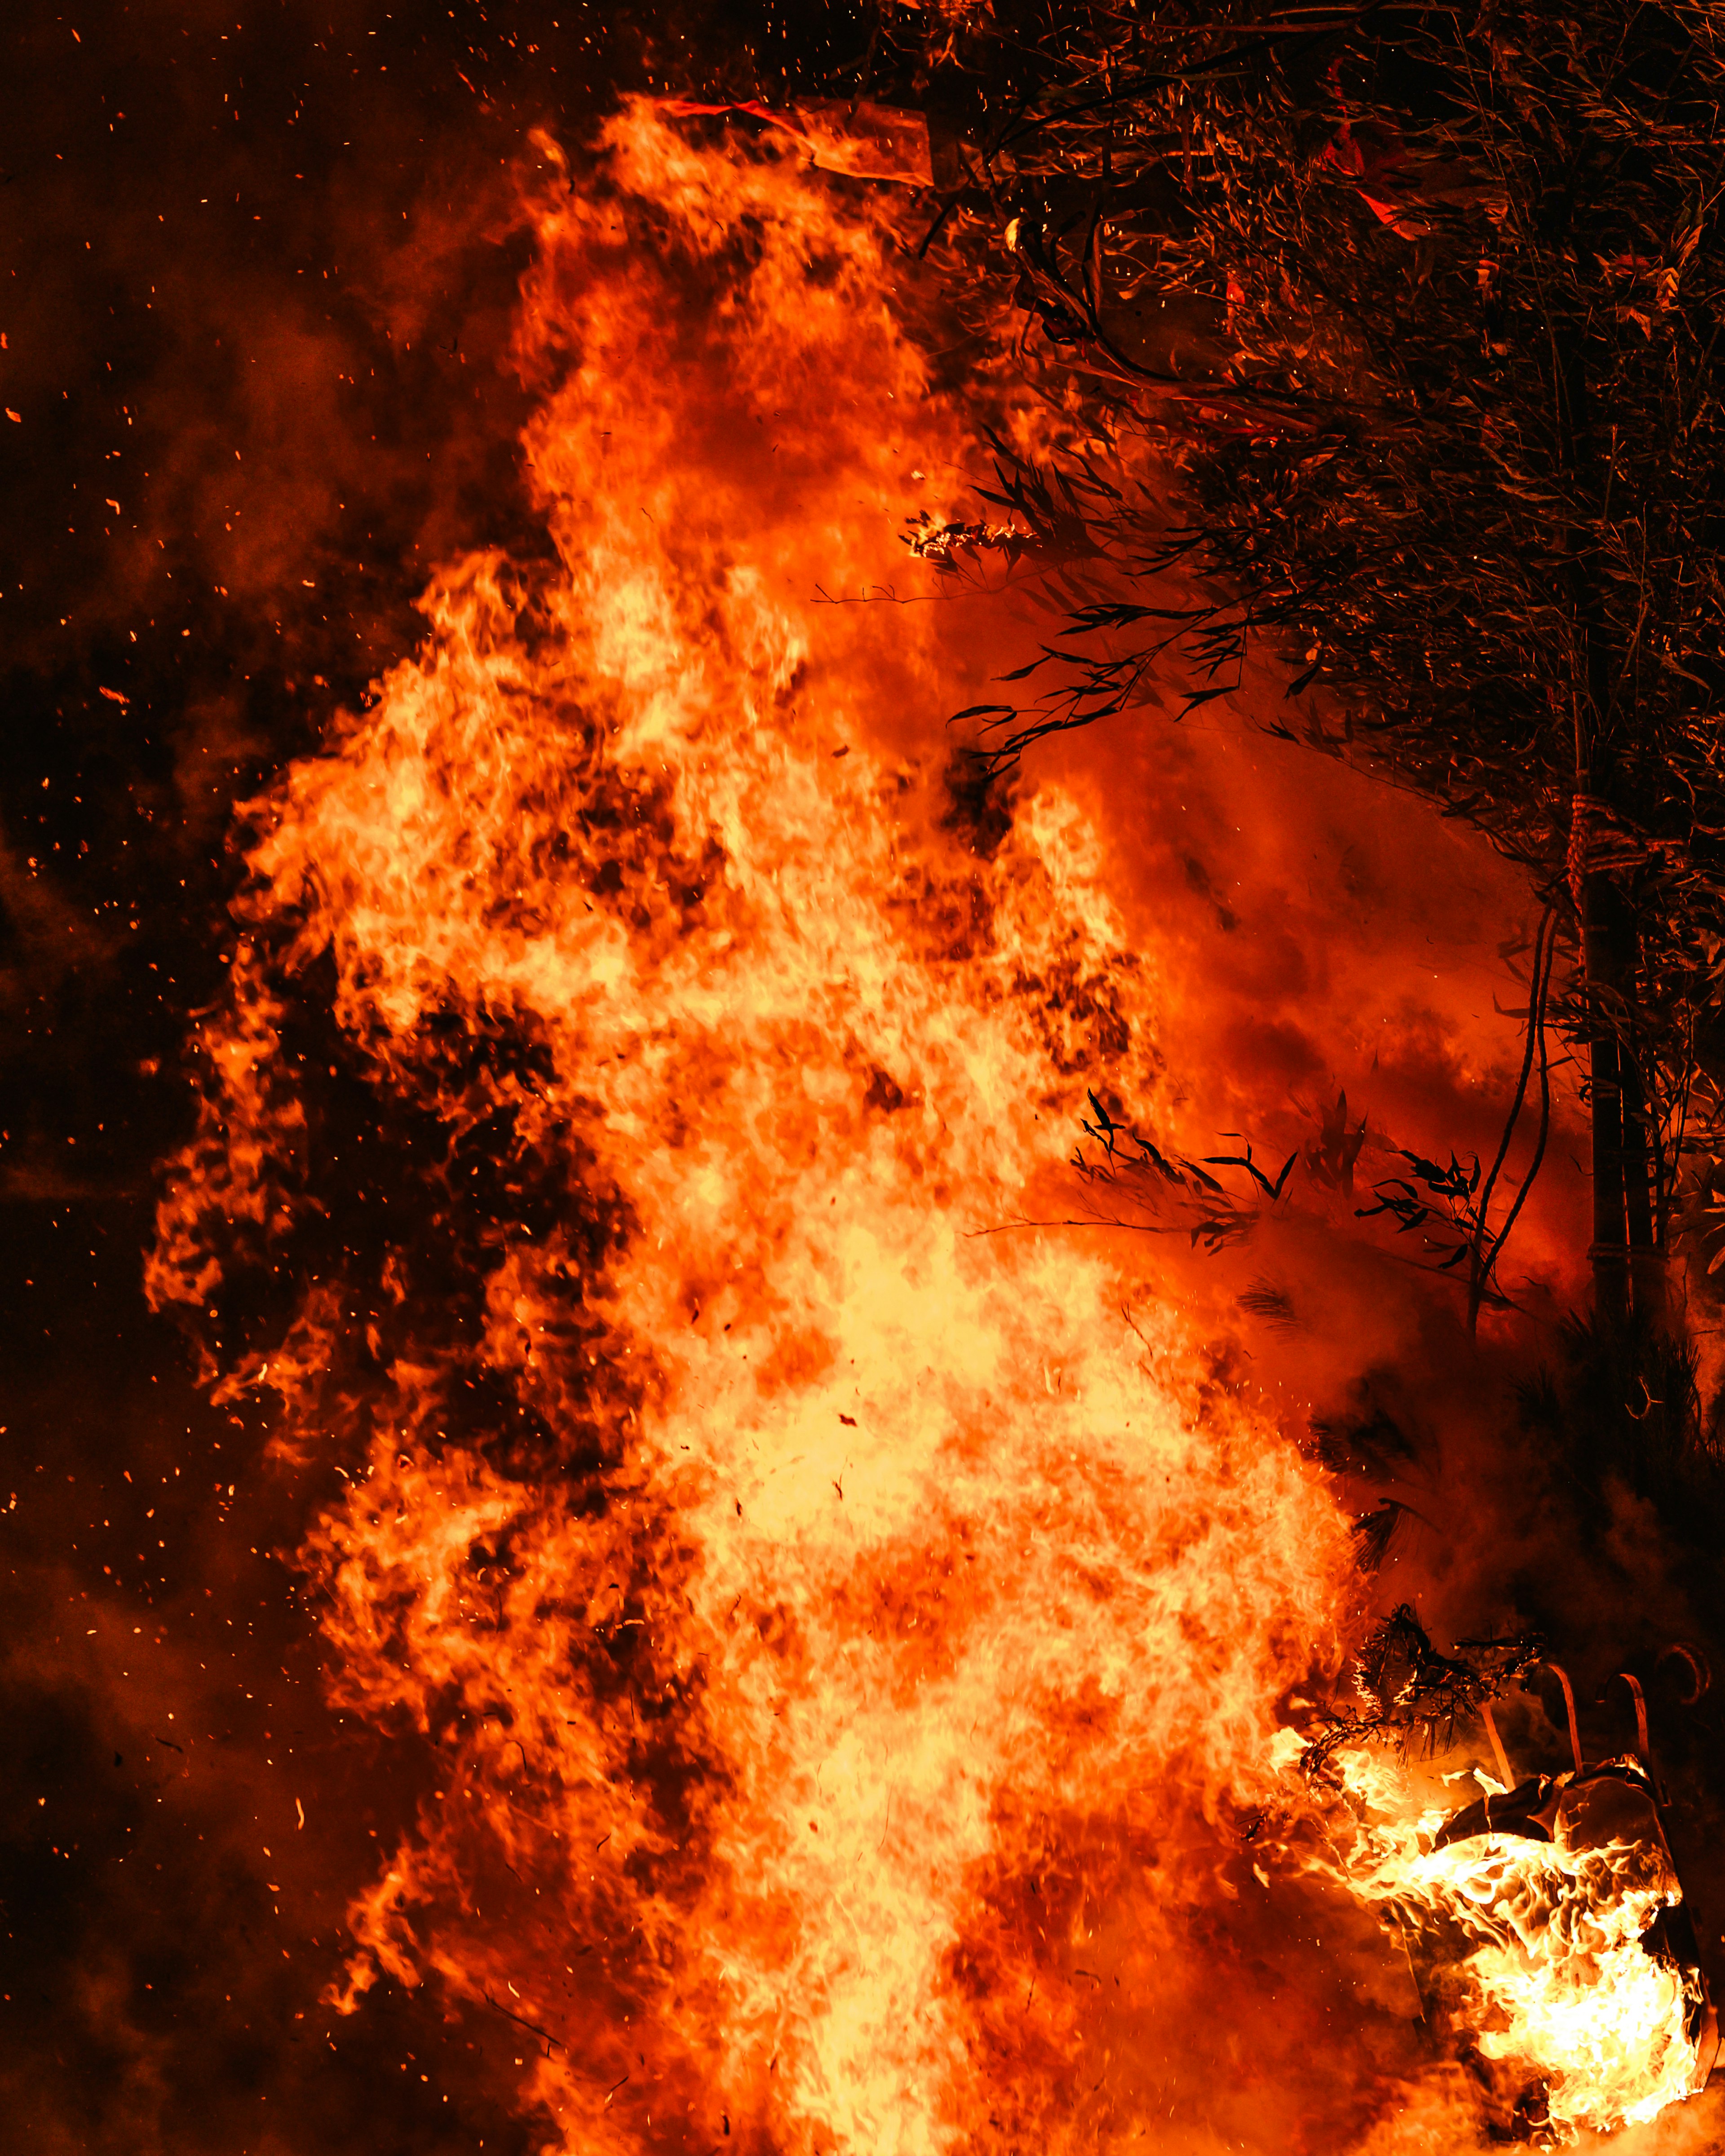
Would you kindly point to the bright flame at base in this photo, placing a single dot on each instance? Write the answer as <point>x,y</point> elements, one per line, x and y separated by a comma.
<point>1533,1953</point>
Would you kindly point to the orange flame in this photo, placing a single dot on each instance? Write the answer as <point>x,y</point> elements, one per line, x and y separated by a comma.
<point>860,1674</point>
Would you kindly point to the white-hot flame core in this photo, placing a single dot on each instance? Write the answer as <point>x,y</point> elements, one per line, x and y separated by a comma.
<point>1535,1947</point>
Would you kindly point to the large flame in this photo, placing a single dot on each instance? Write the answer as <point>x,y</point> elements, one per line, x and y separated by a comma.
<point>845,1631</point>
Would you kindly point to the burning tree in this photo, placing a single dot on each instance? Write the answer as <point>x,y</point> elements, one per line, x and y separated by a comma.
<point>1423,311</point>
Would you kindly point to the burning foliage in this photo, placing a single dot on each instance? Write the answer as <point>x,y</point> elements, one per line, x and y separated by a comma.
<point>1412,1696</point>
<point>1441,1203</point>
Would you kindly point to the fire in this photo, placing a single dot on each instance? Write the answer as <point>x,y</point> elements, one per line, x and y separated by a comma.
<point>845,1623</point>
<point>1533,1950</point>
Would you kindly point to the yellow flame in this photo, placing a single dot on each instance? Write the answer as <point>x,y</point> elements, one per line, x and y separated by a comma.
<point>1537,1950</point>
<point>907,1568</point>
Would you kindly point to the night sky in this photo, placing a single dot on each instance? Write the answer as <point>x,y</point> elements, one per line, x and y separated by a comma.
<point>259,271</point>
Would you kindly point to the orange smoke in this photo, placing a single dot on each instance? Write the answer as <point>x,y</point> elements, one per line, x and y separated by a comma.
<point>850,1708</point>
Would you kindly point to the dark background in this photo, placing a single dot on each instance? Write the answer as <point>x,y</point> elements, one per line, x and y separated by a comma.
<point>260,268</point>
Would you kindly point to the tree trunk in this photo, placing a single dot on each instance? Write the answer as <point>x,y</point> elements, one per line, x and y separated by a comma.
<point>1610,1244</point>
<point>1628,1262</point>
<point>1647,1261</point>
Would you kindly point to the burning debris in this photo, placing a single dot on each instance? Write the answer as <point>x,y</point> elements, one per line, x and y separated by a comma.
<point>1548,1937</point>
<point>946,545</point>
<point>1544,1922</point>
